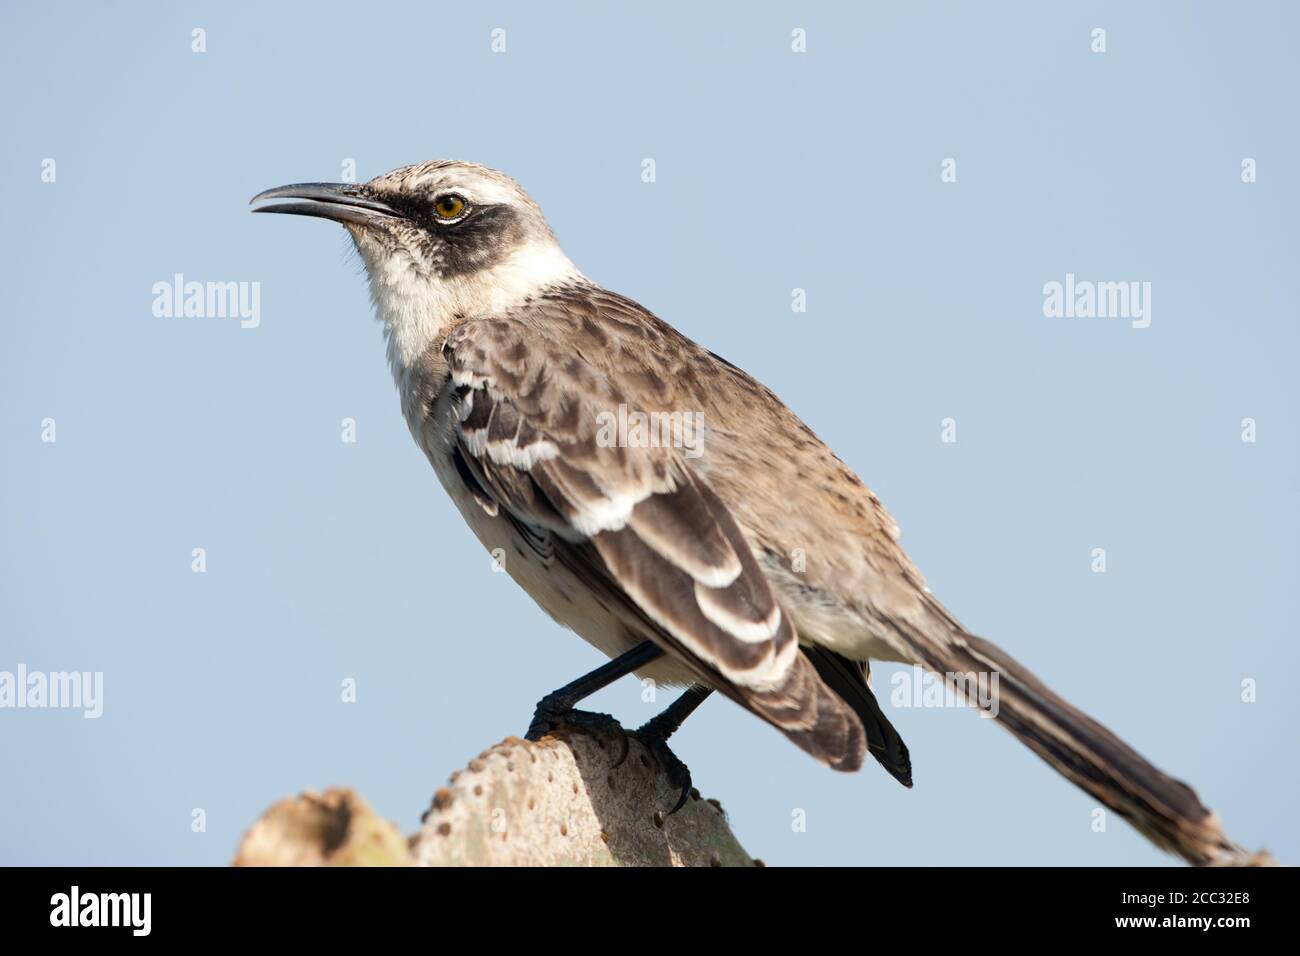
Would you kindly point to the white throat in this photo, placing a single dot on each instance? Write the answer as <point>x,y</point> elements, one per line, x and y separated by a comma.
<point>416,306</point>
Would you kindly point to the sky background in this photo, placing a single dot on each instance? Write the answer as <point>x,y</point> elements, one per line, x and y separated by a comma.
<point>775,170</point>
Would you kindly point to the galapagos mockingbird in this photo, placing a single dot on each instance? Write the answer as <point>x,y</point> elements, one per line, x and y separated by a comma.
<point>675,562</point>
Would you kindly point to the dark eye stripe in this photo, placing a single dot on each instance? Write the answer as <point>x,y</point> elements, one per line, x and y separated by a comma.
<point>476,239</point>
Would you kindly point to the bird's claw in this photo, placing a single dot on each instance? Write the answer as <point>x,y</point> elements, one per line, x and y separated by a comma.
<point>678,773</point>
<point>549,719</point>
<point>548,722</point>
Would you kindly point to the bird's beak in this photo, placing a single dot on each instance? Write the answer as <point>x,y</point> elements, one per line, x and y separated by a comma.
<point>342,202</point>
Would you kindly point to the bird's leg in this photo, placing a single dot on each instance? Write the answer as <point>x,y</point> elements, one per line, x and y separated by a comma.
<point>556,708</point>
<point>665,724</point>
<point>655,732</point>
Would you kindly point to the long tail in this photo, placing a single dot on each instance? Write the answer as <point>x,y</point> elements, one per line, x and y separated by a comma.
<point>1166,811</point>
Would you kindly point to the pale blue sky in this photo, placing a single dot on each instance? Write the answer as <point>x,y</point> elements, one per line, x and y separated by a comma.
<point>776,170</point>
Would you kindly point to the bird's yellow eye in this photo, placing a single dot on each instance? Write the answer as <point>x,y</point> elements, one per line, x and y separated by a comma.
<point>448,207</point>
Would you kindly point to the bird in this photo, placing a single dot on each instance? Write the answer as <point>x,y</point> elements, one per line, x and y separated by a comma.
<point>749,560</point>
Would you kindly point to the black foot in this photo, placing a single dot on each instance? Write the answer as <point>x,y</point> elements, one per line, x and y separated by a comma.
<point>548,721</point>
<point>678,773</point>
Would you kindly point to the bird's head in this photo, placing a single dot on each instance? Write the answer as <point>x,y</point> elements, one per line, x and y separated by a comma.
<point>440,240</point>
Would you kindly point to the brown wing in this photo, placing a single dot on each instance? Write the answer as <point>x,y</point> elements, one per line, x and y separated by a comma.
<point>637,522</point>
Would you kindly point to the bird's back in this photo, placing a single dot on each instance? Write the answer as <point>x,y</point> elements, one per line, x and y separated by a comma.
<point>822,537</point>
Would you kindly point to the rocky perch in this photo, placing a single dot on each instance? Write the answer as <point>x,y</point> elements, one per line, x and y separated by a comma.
<point>559,802</point>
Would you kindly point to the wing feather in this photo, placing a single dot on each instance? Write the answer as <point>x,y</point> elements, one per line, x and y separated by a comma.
<point>639,523</point>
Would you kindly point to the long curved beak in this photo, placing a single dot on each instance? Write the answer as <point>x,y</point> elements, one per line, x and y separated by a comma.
<point>341,202</point>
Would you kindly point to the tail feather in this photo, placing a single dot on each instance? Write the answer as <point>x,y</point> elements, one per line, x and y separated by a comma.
<point>810,714</point>
<point>1165,810</point>
<point>847,679</point>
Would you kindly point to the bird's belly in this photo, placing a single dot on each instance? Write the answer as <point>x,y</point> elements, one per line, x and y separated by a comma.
<point>556,589</point>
